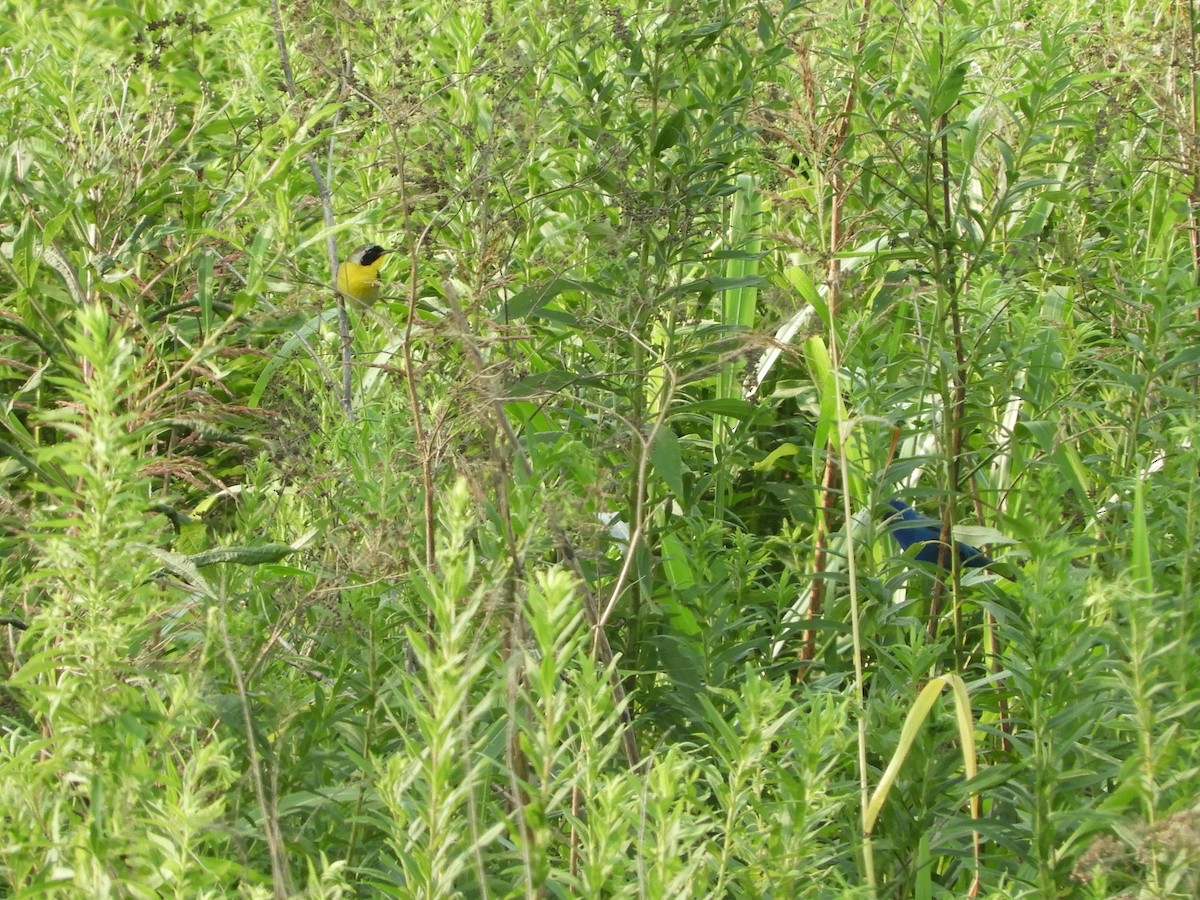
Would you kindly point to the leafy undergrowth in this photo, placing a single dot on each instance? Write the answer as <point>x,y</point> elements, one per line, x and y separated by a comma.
<point>566,569</point>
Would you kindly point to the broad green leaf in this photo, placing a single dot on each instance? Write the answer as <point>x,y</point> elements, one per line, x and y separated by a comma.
<point>667,459</point>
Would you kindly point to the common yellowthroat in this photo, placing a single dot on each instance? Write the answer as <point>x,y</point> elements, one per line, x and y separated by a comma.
<point>358,276</point>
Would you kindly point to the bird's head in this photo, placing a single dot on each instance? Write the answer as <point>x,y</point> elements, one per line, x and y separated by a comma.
<point>368,255</point>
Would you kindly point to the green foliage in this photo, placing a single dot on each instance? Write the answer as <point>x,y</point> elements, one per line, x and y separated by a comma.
<point>116,779</point>
<point>560,570</point>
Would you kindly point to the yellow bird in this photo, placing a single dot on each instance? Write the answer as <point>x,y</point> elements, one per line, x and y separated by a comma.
<point>358,276</point>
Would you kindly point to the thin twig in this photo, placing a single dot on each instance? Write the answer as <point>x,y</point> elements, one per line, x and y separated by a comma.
<point>326,196</point>
<point>281,875</point>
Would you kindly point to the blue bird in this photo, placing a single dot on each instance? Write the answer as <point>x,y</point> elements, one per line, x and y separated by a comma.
<point>928,534</point>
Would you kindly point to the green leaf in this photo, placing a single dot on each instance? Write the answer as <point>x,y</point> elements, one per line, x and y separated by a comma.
<point>670,132</point>
<point>667,459</point>
<point>679,574</point>
<point>532,299</point>
<point>716,285</point>
<point>785,449</point>
<point>732,407</point>
<point>1142,569</point>
<point>550,381</point>
<point>949,90</point>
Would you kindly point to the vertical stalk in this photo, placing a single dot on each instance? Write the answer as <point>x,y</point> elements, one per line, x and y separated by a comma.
<point>326,196</point>
<point>946,262</point>
<point>828,498</point>
<point>839,191</point>
<point>1189,149</point>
